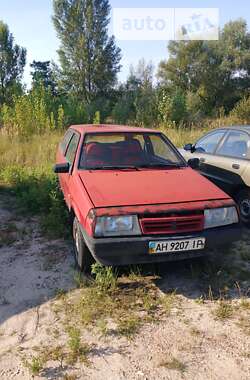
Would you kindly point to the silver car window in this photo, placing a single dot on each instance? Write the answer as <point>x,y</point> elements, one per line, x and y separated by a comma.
<point>235,145</point>
<point>209,143</point>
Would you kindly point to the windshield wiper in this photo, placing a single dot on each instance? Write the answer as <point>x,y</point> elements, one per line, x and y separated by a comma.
<point>116,167</point>
<point>163,165</point>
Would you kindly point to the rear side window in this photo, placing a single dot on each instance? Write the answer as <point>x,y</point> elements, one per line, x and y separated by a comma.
<point>66,141</point>
<point>209,143</point>
<point>72,148</point>
<point>236,145</point>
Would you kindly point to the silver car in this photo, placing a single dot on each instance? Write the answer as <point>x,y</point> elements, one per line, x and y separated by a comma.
<point>224,155</point>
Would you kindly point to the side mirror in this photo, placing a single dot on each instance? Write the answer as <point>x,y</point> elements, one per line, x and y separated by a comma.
<point>62,168</point>
<point>194,163</point>
<point>188,147</point>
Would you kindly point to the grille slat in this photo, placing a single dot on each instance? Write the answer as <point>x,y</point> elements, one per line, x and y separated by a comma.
<point>171,225</point>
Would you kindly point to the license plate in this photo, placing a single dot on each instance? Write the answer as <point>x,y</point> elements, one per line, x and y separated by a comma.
<point>176,245</point>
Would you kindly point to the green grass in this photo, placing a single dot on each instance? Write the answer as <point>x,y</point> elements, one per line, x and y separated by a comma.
<point>105,277</point>
<point>224,310</point>
<point>174,364</point>
<point>128,326</point>
<point>106,299</point>
<point>35,365</point>
<point>26,168</point>
<point>77,349</point>
<point>245,303</point>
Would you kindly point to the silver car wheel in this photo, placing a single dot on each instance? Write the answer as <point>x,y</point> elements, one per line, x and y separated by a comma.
<point>245,207</point>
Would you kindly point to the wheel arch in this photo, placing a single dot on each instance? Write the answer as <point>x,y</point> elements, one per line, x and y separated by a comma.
<point>238,189</point>
<point>75,212</point>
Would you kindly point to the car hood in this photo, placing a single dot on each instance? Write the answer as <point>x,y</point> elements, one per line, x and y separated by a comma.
<point>108,188</point>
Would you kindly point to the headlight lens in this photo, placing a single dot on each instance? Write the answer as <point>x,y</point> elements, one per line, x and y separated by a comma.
<point>220,217</point>
<point>117,226</point>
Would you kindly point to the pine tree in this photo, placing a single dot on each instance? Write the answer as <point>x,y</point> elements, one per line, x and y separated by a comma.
<point>89,57</point>
<point>12,62</point>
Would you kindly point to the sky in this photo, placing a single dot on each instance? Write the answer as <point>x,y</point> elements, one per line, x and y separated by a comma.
<point>31,24</point>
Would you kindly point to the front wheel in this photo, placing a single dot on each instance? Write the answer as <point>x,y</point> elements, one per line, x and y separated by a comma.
<point>83,257</point>
<point>243,200</point>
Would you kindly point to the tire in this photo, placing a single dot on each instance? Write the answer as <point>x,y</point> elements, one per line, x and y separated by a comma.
<point>243,200</point>
<point>83,257</point>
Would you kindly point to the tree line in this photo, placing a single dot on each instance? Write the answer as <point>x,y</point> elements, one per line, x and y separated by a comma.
<point>199,80</point>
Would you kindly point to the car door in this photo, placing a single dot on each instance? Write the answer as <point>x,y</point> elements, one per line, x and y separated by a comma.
<point>70,155</point>
<point>231,160</point>
<point>60,157</point>
<point>204,149</point>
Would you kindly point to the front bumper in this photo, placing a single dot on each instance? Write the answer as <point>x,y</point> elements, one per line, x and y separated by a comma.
<point>135,250</point>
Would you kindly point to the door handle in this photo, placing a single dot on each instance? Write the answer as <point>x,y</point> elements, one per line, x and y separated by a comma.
<point>202,159</point>
<point>236,166</point>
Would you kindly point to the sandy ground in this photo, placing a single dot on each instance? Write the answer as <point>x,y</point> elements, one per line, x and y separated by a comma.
<point>34,269</point>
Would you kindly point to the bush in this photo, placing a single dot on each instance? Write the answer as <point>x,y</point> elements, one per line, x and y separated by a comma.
<point>32,113</point>
<point>241,111</point>
<point>37,193</point>
<point>97,118</point>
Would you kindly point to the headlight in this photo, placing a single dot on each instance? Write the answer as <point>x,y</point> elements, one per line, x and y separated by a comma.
<point>220,217</point>
<point>117,226</point>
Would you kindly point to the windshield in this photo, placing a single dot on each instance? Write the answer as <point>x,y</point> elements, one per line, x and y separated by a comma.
<point>128,151</point>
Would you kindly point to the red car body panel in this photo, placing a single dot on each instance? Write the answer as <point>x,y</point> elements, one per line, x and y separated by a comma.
<point>146,187</point>
<point>164,208</point>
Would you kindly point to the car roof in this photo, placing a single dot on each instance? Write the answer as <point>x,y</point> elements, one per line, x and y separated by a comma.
<point>96,128</point>
<point>244,128</point>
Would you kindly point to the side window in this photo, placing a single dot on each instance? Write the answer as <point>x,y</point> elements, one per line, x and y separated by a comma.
<point>66,141</point>
<point>236,145</point>
<point>72,148</point>
<point>209,143</point>
<point>162,150</point>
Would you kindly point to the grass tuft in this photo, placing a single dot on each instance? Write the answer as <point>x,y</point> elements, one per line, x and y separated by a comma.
<point>128,326</point>
<point>224,310</point>
<point>105,277</point>
<point>174,364</point>
<point>78,350</point>
<point>35,365</point>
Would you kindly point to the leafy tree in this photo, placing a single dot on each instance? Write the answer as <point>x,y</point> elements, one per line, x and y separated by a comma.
<point>194,107</point>
<point>43,73</point>
<point>89,57</point>
<point>172,107</point>
<point>124,110</point>
<point>137,100</point>
<point>101,105</point>
<point>12,62</point>
<point>217,71</point>
<point>145,99</point>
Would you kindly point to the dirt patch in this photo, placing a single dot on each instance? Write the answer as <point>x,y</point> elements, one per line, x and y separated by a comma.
<point>199,331</point>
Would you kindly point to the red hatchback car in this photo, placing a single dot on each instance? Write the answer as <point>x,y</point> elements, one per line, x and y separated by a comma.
<point>134,199</point>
